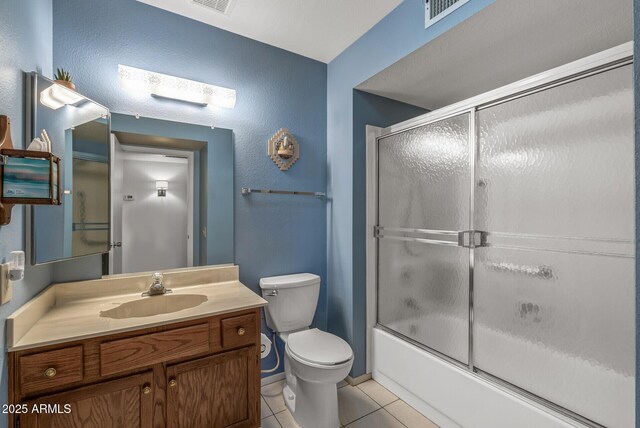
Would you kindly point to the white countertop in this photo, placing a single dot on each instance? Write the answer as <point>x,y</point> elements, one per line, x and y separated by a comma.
<point>73,311</point>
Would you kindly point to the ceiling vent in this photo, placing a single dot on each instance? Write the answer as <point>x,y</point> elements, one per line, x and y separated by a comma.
<point>435,10</point>
<point>220,6</point>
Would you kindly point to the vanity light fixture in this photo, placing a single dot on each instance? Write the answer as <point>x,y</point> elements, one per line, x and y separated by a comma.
<point>175,88</point>
<point>57,96</point>
<point>162,187</point>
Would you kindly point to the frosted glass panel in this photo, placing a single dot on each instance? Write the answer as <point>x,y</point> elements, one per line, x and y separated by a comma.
<point>424,183</point>
<point>424,294</point>
<point>554,291</point>
<point>424,176</point>
<point>560,162</point>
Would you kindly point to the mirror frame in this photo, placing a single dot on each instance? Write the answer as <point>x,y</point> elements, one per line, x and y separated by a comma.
<point>31,105</point>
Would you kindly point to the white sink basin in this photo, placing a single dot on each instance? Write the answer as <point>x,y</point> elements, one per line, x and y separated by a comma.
<point>154,305</point>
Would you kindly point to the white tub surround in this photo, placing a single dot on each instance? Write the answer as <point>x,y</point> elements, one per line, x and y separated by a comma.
<point>79,310</point>
<point>450,396</point>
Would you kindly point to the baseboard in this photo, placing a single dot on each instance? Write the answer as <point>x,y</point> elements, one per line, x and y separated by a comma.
<point>271,379</point>
<point>358,380</point>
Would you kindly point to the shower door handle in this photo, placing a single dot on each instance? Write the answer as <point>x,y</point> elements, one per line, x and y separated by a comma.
<point>472,238</point>
<point>462,238</point>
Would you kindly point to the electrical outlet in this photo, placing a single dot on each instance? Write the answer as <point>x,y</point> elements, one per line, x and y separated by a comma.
<point>6,286</point>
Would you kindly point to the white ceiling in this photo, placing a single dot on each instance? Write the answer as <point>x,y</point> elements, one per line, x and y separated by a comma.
<point>507,41</point>
<point>319,29</point>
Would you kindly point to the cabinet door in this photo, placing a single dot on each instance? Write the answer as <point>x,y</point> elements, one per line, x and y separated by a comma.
<point>124,403</point>
<point>214,392</point>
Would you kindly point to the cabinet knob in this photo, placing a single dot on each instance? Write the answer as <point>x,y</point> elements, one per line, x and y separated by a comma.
<point>173,383</point>
<point>50,372</point>
<point>146,390</point>
<point>241,331</point>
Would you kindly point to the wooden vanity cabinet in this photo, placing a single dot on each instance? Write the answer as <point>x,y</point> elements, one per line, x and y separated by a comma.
<point>222,385</point>
<point>123,403</point>
<point>203,373</point>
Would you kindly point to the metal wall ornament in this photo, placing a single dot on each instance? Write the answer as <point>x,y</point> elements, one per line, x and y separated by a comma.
<point>283,149</point>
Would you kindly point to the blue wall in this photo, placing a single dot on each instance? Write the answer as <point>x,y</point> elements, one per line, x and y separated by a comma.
<point>398,34</point>
<point>275,89</point>
<point>25,45</point>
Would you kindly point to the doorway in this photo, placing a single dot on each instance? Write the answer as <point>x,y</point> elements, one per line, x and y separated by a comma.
<point>152,204</point>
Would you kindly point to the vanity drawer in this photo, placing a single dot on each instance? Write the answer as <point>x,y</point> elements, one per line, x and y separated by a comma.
<point>50,369</point>
<point>239,331</point>
<point>142,351</point>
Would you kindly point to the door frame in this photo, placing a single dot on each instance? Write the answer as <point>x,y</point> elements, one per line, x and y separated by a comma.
<point>603,61</point>
<point>371,247</point>
<point>190,230</point>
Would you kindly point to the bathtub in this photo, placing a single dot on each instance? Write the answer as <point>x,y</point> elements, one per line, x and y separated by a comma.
<point>454,397</point>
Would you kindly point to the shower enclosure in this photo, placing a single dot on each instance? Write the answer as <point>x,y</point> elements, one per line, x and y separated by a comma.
<point>505,238</point>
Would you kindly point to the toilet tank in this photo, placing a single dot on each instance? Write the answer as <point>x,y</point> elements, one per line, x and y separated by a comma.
<point>292,300</point>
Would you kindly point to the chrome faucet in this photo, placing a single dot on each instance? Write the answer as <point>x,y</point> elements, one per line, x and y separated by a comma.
<point>157,287</point>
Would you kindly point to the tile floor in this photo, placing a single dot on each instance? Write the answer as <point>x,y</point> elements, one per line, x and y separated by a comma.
<point>368,405</point>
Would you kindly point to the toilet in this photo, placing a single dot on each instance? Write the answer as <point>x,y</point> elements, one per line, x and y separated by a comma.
<point>314,361</point>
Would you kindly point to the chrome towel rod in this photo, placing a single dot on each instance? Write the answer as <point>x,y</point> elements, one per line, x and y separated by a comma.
<point>247,190</point>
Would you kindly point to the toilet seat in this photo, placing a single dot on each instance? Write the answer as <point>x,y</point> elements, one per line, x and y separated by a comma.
<point>319,348</point>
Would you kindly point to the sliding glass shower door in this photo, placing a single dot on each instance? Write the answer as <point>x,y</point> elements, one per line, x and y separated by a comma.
<point>554,288</point>
<point>518,215</point>
<point>423,272</point>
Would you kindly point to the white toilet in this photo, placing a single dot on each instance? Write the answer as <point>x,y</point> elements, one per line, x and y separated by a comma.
<point>314,361</point>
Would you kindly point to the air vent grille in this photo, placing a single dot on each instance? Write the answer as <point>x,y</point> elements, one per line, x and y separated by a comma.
<point>222,6</point>
<point>438,9</point>
<point>439,6</point>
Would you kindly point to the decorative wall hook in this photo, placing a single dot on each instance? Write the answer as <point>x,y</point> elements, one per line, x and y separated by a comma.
<point>283,149</point>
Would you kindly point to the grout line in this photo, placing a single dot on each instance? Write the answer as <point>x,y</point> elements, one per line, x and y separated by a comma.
<point>277,421</point>
<point>393,415</point>
<point>374,400</point>
<point>267,403</point>
<point>364,416</point>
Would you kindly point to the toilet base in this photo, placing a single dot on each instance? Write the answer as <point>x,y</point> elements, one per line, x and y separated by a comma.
<point>313,405</point>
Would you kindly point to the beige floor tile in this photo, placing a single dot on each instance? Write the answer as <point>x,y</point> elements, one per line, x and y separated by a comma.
<point>378,419</point>
<point>265,411</point>
<point>379,393</point>
<point>270,422</point>
<point>272,394</point>
<point>286,419</point>
<point>409,416</point>
<point>354,404</point>
<point>342,383</point>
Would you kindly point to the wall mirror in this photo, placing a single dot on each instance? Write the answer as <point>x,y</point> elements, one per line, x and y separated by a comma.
<point>171,193</point>
<point>149,194</point>
<point>78,131</point>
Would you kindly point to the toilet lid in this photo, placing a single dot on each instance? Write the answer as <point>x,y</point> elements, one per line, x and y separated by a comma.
<point>319,347</point>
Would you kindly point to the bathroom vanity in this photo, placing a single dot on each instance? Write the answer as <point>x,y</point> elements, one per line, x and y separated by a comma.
<point>96,353</point>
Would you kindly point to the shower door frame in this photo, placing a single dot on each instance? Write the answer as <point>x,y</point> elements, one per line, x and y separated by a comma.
<point>609,59</point>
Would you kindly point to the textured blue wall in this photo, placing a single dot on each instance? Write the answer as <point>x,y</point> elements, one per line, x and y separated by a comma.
<point>398,34</point>
<point>273,234</point>
<point>25,45</point>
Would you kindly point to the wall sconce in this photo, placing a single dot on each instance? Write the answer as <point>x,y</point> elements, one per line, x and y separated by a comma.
<point>56,96</point>
<point>175,88</point>
<point>162,187</point>
<point>283,149</point>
